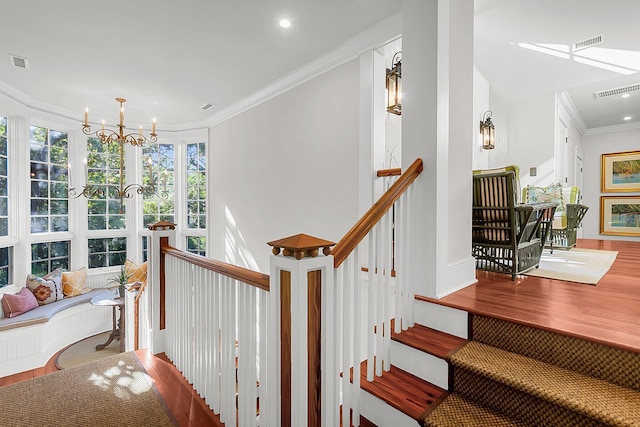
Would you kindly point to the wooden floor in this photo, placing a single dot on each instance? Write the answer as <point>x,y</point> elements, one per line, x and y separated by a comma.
<point>608,313</point>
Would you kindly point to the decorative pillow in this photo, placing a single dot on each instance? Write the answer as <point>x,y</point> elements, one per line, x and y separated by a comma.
<point>8,289</point>
<point>136,273</point>
<point>73,282</point>
<point>46,289</point>
<point>552,193</point>
<point>19,303</point>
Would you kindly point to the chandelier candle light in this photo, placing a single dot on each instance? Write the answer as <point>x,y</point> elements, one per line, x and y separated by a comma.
<point>108,136</point>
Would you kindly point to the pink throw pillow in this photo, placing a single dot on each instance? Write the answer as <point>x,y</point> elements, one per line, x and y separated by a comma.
<point>19,303</point>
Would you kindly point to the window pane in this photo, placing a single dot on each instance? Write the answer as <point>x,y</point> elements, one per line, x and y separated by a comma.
<point>97,260</point>
<point>103,164</point>
<point>39,224</point>
<point>59,207</point>
<point>5,264</point>
<point>39,251</point>
<point>196,185</point>
<point>49,176</point>
<point>107,252</point>
<point>158,205</point>
<point>196,245</point>
<point>39,171</point>
<point>97,245</point>
<point>60,223</point>
<point>39,189</point>
<point>97,222</point>
<point>46,257</point>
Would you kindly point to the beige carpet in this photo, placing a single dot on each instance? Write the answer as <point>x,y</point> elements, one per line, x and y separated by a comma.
<point>575,265</point>
<point>114,391</point>
<point>85,351</point>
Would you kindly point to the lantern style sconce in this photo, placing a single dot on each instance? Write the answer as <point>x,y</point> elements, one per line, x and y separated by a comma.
<point>394,85</point>
<point>487,131</point>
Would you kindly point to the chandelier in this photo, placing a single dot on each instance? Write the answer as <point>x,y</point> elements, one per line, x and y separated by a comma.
<point>108,136</point>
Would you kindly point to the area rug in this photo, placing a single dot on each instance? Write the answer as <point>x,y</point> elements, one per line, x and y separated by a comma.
<point>575,265</point>
<point>114,391</point>
<point>85,351</point>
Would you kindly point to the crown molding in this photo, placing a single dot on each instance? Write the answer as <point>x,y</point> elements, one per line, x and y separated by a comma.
<point>611,129</point>
<point>372,38</point>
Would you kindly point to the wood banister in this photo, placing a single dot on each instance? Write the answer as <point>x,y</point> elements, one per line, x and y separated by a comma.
<point>244,275</point>
<point>358,232</point>
<point>389,172</point>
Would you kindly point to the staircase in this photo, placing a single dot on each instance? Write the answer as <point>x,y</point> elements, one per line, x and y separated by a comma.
<point>507,374</point>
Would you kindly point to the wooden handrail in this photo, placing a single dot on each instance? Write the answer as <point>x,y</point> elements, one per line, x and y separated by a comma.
<point>244,275</point>
<point>358,232</point>
<point>389,172</point>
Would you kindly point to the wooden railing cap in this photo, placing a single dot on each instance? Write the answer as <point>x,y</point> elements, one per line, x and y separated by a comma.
<point>300,246</point>
<point>162,225</point>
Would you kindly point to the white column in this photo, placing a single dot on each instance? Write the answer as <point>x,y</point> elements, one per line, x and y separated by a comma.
<point>437,125</point>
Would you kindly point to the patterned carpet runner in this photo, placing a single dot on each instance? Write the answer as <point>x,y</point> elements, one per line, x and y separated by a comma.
<point>514,375</point>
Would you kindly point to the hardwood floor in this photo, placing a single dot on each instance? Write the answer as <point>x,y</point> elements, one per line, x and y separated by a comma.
<point>608,313</point>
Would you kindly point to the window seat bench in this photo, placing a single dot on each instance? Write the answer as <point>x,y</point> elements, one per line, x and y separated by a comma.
<point>29,340</point>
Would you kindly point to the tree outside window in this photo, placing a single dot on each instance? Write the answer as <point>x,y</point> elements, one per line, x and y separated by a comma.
<point>159,206</point>
<point>103,161</point>
<point>49,178</point>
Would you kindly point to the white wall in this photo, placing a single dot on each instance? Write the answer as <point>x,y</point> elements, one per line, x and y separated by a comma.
<point>292,163</point>
<point>481,89</point>
<point>501,118</point>
<point>594,146</point>
<point>531,143</point>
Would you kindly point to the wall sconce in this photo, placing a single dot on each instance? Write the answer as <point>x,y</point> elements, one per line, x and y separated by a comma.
<point>488,131</point>
<point>394,85</point>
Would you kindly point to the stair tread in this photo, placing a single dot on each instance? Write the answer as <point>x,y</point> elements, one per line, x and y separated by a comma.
<point>595,398</point>
<point>455,411</point>
<point>432,341</point>
<point>402,390</point>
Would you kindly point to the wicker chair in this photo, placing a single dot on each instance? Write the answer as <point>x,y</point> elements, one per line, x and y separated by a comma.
<point>568,216</point>
<point>506,237</point>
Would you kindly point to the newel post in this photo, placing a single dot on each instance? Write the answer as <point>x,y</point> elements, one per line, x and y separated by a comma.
<point>301,289</point>
<point>162,233</point>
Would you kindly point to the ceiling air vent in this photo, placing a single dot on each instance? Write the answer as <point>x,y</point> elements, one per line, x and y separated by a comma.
<point>617,91</point>
<point>206,106</point>
<point>19,62</point>
<point>583,44</point>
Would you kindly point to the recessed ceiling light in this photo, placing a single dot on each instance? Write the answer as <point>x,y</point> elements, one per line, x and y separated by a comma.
<point>627,118</point>
<point>285,23</point>
<point>625,95</point>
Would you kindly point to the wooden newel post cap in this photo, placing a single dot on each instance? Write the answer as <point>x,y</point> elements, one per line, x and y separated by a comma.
<point>162,225</point>
<point>300,246</point>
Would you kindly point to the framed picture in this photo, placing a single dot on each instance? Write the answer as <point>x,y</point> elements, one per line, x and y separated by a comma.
<point>621,172</point>
<point>620,215</point>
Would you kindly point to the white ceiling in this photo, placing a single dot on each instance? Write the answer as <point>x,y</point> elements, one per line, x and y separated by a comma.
<point>548,28</point>
<point>169,58</point>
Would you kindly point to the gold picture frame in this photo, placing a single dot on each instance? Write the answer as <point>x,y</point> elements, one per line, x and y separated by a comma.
<point>620,172</point>
<point>620,215</point>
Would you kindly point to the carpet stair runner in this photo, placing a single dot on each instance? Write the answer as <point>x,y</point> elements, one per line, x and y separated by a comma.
<point>514,375</point>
